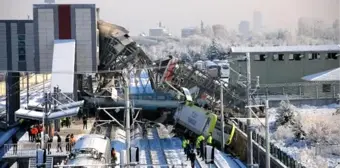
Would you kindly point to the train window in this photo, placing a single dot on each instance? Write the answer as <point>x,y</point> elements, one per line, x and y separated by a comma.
<point>225,67</point>
<point>161,97</point>
<point>147,97</point>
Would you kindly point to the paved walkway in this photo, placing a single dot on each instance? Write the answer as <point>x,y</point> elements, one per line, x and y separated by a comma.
<point>28,149</point>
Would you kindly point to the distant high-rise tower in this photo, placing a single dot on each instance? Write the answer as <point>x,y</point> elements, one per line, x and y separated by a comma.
<point>257,21</point>
<point>202,27</point>
<point>244,27</point>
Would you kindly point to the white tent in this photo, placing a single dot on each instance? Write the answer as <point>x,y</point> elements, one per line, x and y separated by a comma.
<point>330,75</point>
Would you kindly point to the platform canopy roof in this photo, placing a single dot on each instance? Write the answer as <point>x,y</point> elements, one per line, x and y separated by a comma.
<point>330,75</point>
<point>37,115</point>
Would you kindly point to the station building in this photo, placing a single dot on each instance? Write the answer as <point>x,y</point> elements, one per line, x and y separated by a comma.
<point>281,69</point>
<point>60,37</point>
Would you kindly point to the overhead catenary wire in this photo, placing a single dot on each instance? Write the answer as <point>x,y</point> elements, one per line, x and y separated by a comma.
<point>84,72</point>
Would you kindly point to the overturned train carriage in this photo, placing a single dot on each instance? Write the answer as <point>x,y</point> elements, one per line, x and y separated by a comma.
<point>117,51</point>
<point>180,74</point>
<point>203,122</point>
<point>89,150</point>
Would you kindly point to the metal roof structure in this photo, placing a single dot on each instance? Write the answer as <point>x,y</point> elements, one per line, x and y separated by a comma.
<point>276,49</point>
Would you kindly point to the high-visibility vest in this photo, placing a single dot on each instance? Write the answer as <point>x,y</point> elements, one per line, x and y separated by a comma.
<point>209,139</point>
<point>185,143</point>
<point>199,140</point>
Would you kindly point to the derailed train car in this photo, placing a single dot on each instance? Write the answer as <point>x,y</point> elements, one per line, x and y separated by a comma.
<point>117,52</point>
<point>200,121</point>
<point>91,149</point>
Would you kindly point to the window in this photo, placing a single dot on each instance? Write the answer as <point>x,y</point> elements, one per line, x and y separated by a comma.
<point>313,56</point>
<point>22,51</point>
<point>261,57</point>
<point>21,44</point>
<point>332,56</point>
<point>278,57</point>
<point>291,57</point>
<point>225,67</point>
<point>22,57</point>
<point>326,88</point>
<point>296,57</point>
<point>21,37</point>
<point>281,57</point>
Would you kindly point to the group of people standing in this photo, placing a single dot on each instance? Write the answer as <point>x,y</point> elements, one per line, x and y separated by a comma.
<point>34,132</point>
<point>189,147</point>
<point>66,121</point>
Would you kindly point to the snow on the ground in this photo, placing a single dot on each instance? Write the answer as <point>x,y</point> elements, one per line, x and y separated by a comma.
<point>35,95</point>
<point>321,146</point>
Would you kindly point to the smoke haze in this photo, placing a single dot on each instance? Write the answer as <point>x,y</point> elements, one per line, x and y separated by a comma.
<point>139,16</point>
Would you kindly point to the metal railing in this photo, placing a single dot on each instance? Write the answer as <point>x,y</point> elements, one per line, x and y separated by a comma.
<point>28,149</point>
<point>302,90</point>
<point>275,152</point>
<point>124,165</point>
<point>34,79</point>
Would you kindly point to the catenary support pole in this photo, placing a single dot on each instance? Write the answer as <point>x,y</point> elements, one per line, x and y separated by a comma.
<point>43,121</point>
<point>267,135</point>
<point>249,116</point>
<point>127,116</point>
<point>27,87</point>
<point>222,116</point>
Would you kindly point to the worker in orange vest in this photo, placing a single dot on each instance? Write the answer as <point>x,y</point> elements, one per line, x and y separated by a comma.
<point>34,133</point>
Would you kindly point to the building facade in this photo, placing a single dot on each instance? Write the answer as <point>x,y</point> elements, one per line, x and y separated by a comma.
<point>244,27</point>
<point>76,21</point>
<point>287,64</point>
<point>17,45</point>
<point>284,66</point>
<point>186,32</point>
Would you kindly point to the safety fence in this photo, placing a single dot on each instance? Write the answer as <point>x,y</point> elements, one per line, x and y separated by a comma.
<point>275,152</point>
<point>28,149</point>
<point>302,90</point>
<point>33,79</point>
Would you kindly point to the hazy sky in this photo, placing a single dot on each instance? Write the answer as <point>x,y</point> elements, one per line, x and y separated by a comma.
<point>140,15</point>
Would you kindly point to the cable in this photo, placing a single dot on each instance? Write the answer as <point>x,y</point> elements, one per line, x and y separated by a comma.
<point>85,72</point>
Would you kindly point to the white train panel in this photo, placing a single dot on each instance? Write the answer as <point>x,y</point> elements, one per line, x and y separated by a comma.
<point>192,118</point>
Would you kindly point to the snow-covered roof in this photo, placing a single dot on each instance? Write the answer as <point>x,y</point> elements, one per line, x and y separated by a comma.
<point>275,49</point>
<point>330,75</point>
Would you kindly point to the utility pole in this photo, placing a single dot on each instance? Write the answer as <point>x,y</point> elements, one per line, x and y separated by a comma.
<point>127,115</point>
<point>249,116</point>
<point>222,112</point>
<point>27,88</point>
<point>267,135</point>
<point>43,121</point>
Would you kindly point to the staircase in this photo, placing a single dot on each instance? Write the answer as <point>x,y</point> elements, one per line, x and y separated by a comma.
<point>49,162</point>
<point>32,162</point>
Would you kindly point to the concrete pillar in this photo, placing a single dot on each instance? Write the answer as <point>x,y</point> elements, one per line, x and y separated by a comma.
<point>12,95</point>
<point>57,125</point>
<point>50,129</point>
